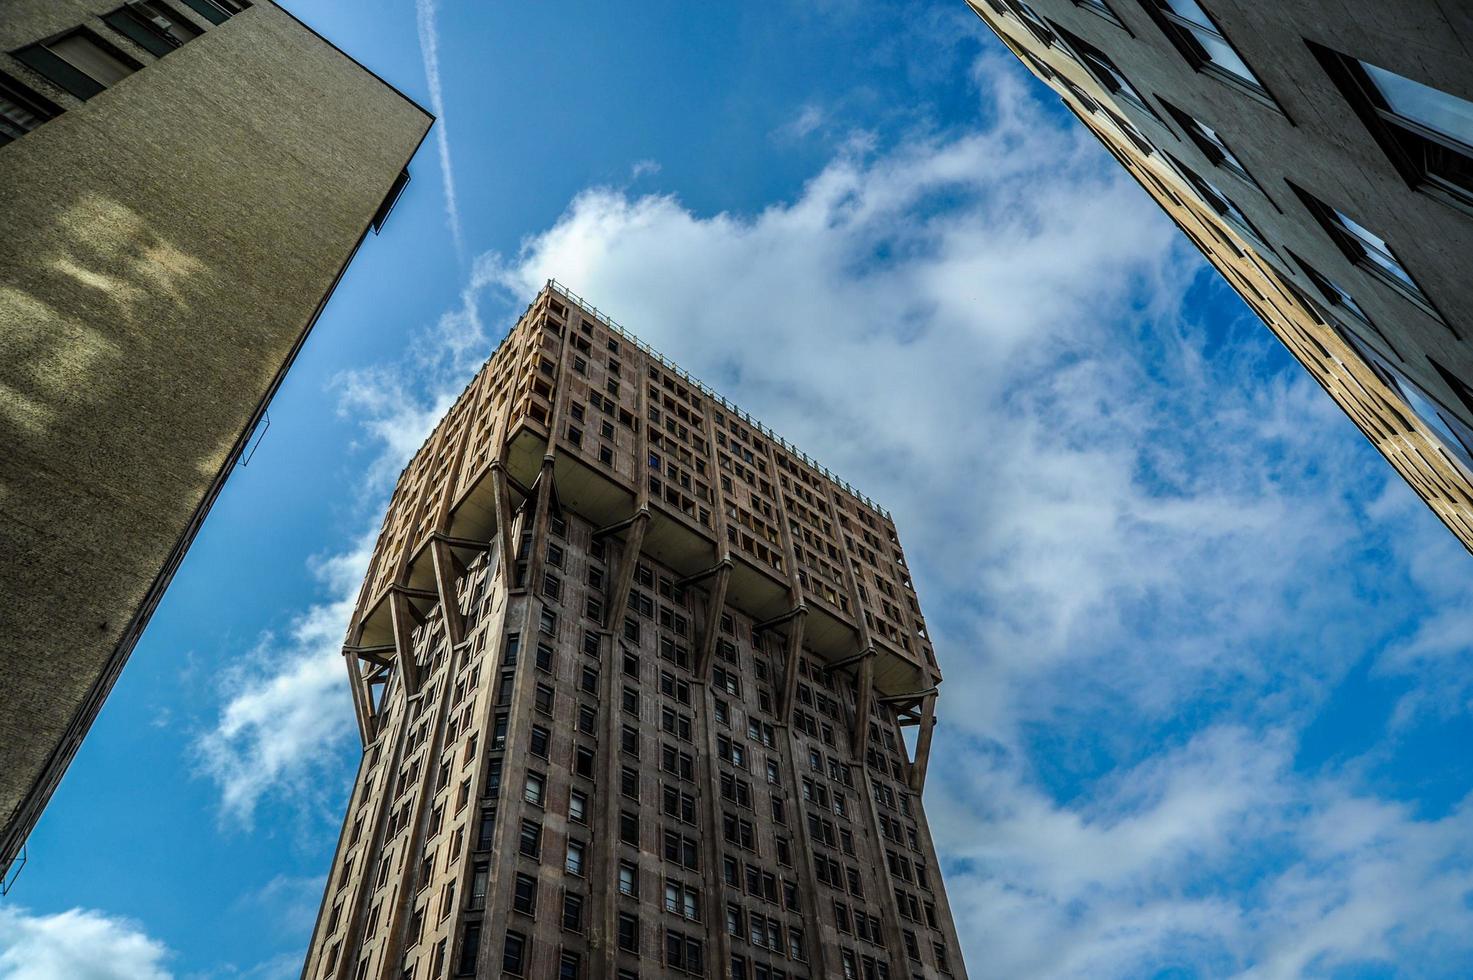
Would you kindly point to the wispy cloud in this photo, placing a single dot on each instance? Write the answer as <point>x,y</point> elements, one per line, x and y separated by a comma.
<point>286,715</point>
<point>79,944</point>
<point>802,125</point>
<point>429,46</point>
<point>1148,566</point>
<point>644,168</point>
<point>285,722</point>
<point>1149,554</point>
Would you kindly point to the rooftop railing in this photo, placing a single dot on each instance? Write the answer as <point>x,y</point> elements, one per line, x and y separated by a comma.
<point>731,409</point>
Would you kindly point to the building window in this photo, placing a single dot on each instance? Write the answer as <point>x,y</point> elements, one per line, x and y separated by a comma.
<point>217,11</point>
<point>1339,300</point>
<point>79,62</point>
<point>1036,25</point>
<point>152,25</point>
<point>684,953</point>
<point>530,842</point>
<point>1212,145</point>
<point>1427,133</point>
<point>21,110</point>
<point>470,944</point>
<point>1198,38</point>
<point>1456,437</point>
<point>683,900</point>
<point>573,912</point>
<point>1103,8</point>
<point>524,894</point>
<point>628,932</point>
<point>574,863</point>
<point>628,879</point>
<point>535,789</point>
<point>1105,72</point>
<point>479,876</point>
<point>1130,132</point>
<point>1222,205</point>
<point>514,955</point>
<point>1366,249</point>
<point>1458,385</point>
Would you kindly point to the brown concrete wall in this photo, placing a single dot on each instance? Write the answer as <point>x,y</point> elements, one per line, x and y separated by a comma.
<point>398,899</point>
<point>167,244</point>
<point>484,486</point>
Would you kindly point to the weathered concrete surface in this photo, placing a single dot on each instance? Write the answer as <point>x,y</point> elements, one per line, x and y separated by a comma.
<point>167,245</point>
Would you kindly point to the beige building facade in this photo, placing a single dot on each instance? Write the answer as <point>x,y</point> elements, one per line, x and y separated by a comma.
<point>1320,155</point>
<point>182,182</point>
<point>643,692</point>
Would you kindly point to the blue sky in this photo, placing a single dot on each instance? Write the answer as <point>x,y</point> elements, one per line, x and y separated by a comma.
<point>1208,695</point>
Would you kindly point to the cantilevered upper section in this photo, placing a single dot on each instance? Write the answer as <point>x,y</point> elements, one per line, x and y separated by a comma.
<point>626,433</point>
<point>181,185</point>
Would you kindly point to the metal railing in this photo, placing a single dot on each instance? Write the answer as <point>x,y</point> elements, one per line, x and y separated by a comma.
<point>733,410</point>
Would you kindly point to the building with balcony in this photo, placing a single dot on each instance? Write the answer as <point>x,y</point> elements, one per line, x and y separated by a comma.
<point>643,691</point>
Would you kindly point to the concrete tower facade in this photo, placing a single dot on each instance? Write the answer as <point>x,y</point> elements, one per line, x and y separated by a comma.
<point>1320,154</point>
<point>633,677</point>
<point>182,182</point>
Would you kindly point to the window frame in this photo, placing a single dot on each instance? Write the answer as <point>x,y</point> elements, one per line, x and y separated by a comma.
<point>1230,213</point>
<point>1393,132</point>
<point>1213,147</point>
<point>1340,303</point>
<point>1357,252</point>
<point>145,33</point>
<point>1102,68</point>
<point>29,100</point>
<point>1461,449</point>
<point>1102,8</point>
<point>72,74</point>
<point>1181,32</point>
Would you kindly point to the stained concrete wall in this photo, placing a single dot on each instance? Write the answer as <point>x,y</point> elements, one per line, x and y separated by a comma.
<point>167,245</point>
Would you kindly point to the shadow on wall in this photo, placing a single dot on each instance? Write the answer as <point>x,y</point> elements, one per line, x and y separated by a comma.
<point>109,445</point>
<point>67,355</point>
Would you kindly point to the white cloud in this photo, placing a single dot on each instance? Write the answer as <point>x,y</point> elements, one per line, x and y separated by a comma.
<point>287,709</point>
<point>286,715</point>
<point>429,47</point>
<point>79,944</point>
<point>804,124</point>
<point>1138,550</point>
<point>1140,558</point>
<point>644,168</point>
